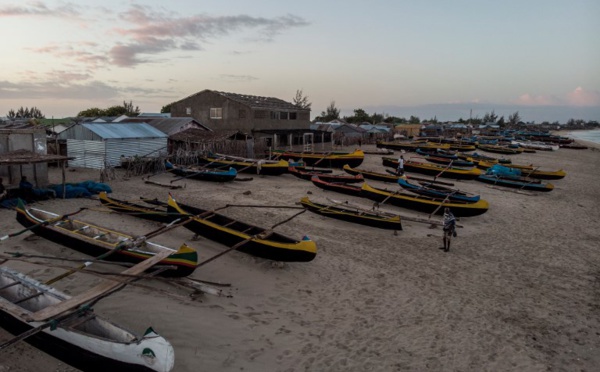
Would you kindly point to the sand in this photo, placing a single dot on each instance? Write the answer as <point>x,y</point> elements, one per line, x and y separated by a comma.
<point>518,291</point>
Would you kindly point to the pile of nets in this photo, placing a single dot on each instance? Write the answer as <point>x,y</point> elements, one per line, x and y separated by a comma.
<point>83,189</point>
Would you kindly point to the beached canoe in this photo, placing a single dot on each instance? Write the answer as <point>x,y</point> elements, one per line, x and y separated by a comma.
<point>516,182</point>
<point>94,240</point>
<point>526,171</point>
<point>262,167</point>
<point>85,341</point>
<point>201,173</point>
<point>260,242</point>
<point>328,177</point>
<point>436,191</point>
<point>340,187</point>
<point>434,169</point>
<point>498,149</point>
<point>467,163</point>
<point>349,214</point>
<point>413,146</point>
<point>383,177</point>
<point>323,159</point>
<point>423,203</point>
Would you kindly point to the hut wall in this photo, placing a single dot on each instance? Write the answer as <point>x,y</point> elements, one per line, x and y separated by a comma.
<point>24,139</point>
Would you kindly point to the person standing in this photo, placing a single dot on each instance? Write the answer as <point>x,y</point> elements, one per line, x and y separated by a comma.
<point>3,192</point>
<point>449,228</point>
<point>400,170</point>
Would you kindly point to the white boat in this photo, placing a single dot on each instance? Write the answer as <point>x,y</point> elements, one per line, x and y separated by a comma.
<point>536,145</point>
<point>82,339</point>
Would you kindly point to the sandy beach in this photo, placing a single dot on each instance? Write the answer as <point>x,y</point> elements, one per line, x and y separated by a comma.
<point>518,290</point>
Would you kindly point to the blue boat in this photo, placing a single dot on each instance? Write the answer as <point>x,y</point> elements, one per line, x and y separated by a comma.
<point>203,174</point>
<point>516,182</point>
<point>437,191</point>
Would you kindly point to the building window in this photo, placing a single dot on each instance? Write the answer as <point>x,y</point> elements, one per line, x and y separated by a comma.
<point>188,110</point>
<point>283,115</point>
<point>216,113</point>
<point>293,116</point>
<point>242,114</point>
<point>260,114</point>
<point>274,115</point>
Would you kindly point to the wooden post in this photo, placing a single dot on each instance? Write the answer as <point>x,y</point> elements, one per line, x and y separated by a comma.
<point>64,185</point>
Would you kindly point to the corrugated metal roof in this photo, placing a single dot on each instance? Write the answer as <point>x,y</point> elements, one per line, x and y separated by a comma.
<point>124,130</point>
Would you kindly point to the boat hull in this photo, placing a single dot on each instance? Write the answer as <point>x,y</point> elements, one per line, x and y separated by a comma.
<point>424,204</point>
<point>328,160</point>
<point>344,214</point>
<point>515,183</point>
<point>74,345</point>
<point>435,170</point>
<point>183,261</point>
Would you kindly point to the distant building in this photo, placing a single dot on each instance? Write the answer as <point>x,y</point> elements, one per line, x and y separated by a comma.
<point>169,125</point>
<point>246,113</point>
<point>101,145</point>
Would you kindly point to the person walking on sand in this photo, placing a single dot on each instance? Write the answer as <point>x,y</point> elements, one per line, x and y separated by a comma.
<point>400,170</point>
<point>449,228</point>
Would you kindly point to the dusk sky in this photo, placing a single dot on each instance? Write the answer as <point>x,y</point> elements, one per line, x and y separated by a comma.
<point>437,58</point>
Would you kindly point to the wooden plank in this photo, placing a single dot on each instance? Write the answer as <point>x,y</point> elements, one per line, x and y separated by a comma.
<point>97,291</point>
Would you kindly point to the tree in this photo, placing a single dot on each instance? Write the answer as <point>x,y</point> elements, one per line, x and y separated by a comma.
<point>126,109</point>
<point>25,113</point>
<point>166,109</point>
<point>514,118</point>
<point>490,118</point>
<point>301,100</point>
<point>91,112</point>
<point>414,120</point>
<point>360,116</point>
<point>331,113</point>
<point>130,110</point>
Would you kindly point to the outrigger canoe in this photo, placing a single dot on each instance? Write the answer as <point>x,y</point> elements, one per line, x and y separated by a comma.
<point>263,167</point>
<point>515,182</point>
<point>528,171</point>
<point>86,340</point>
<point>349,214</point>
<point>435,170</point>
<point>201,173</point>
<point>323,159</point>
<point>328,177</point>
<point>500,149</point>
<point>259,241</point>
<point>436,191</point>
<point>413,146</point>
<point>424,203</point>
<point>340,187</point>
<point>93,240</point>
<point>383,177</point>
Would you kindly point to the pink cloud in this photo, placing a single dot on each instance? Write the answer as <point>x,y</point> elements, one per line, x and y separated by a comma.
<point>38,8</point>
<point>581,97</point>
<point>539,100</point>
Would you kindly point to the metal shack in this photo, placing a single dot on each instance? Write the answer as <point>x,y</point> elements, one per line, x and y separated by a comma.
<point>101,145</point>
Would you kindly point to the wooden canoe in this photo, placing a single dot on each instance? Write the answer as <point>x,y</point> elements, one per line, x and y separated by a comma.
<point>202,174</point>
<point>327,177</point>
<point>423,203</point>
<point>324,159</point>
<point>434,169</point>
<point>222,229</point>
<point>353,215</point>
<point>85,341</point>
<point>94,240</point>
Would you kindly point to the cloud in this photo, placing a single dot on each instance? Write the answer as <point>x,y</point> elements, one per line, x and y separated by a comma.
<point>540,100</point>
<point>154,32</point>
<point>237,78</point>
<point>43,90</point>
<point>85,53</point>
<point>581,97</point>
<point>578,97</point>
<point>38,8</point>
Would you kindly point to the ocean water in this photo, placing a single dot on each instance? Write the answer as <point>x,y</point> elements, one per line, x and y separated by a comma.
<point>586,135</point>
